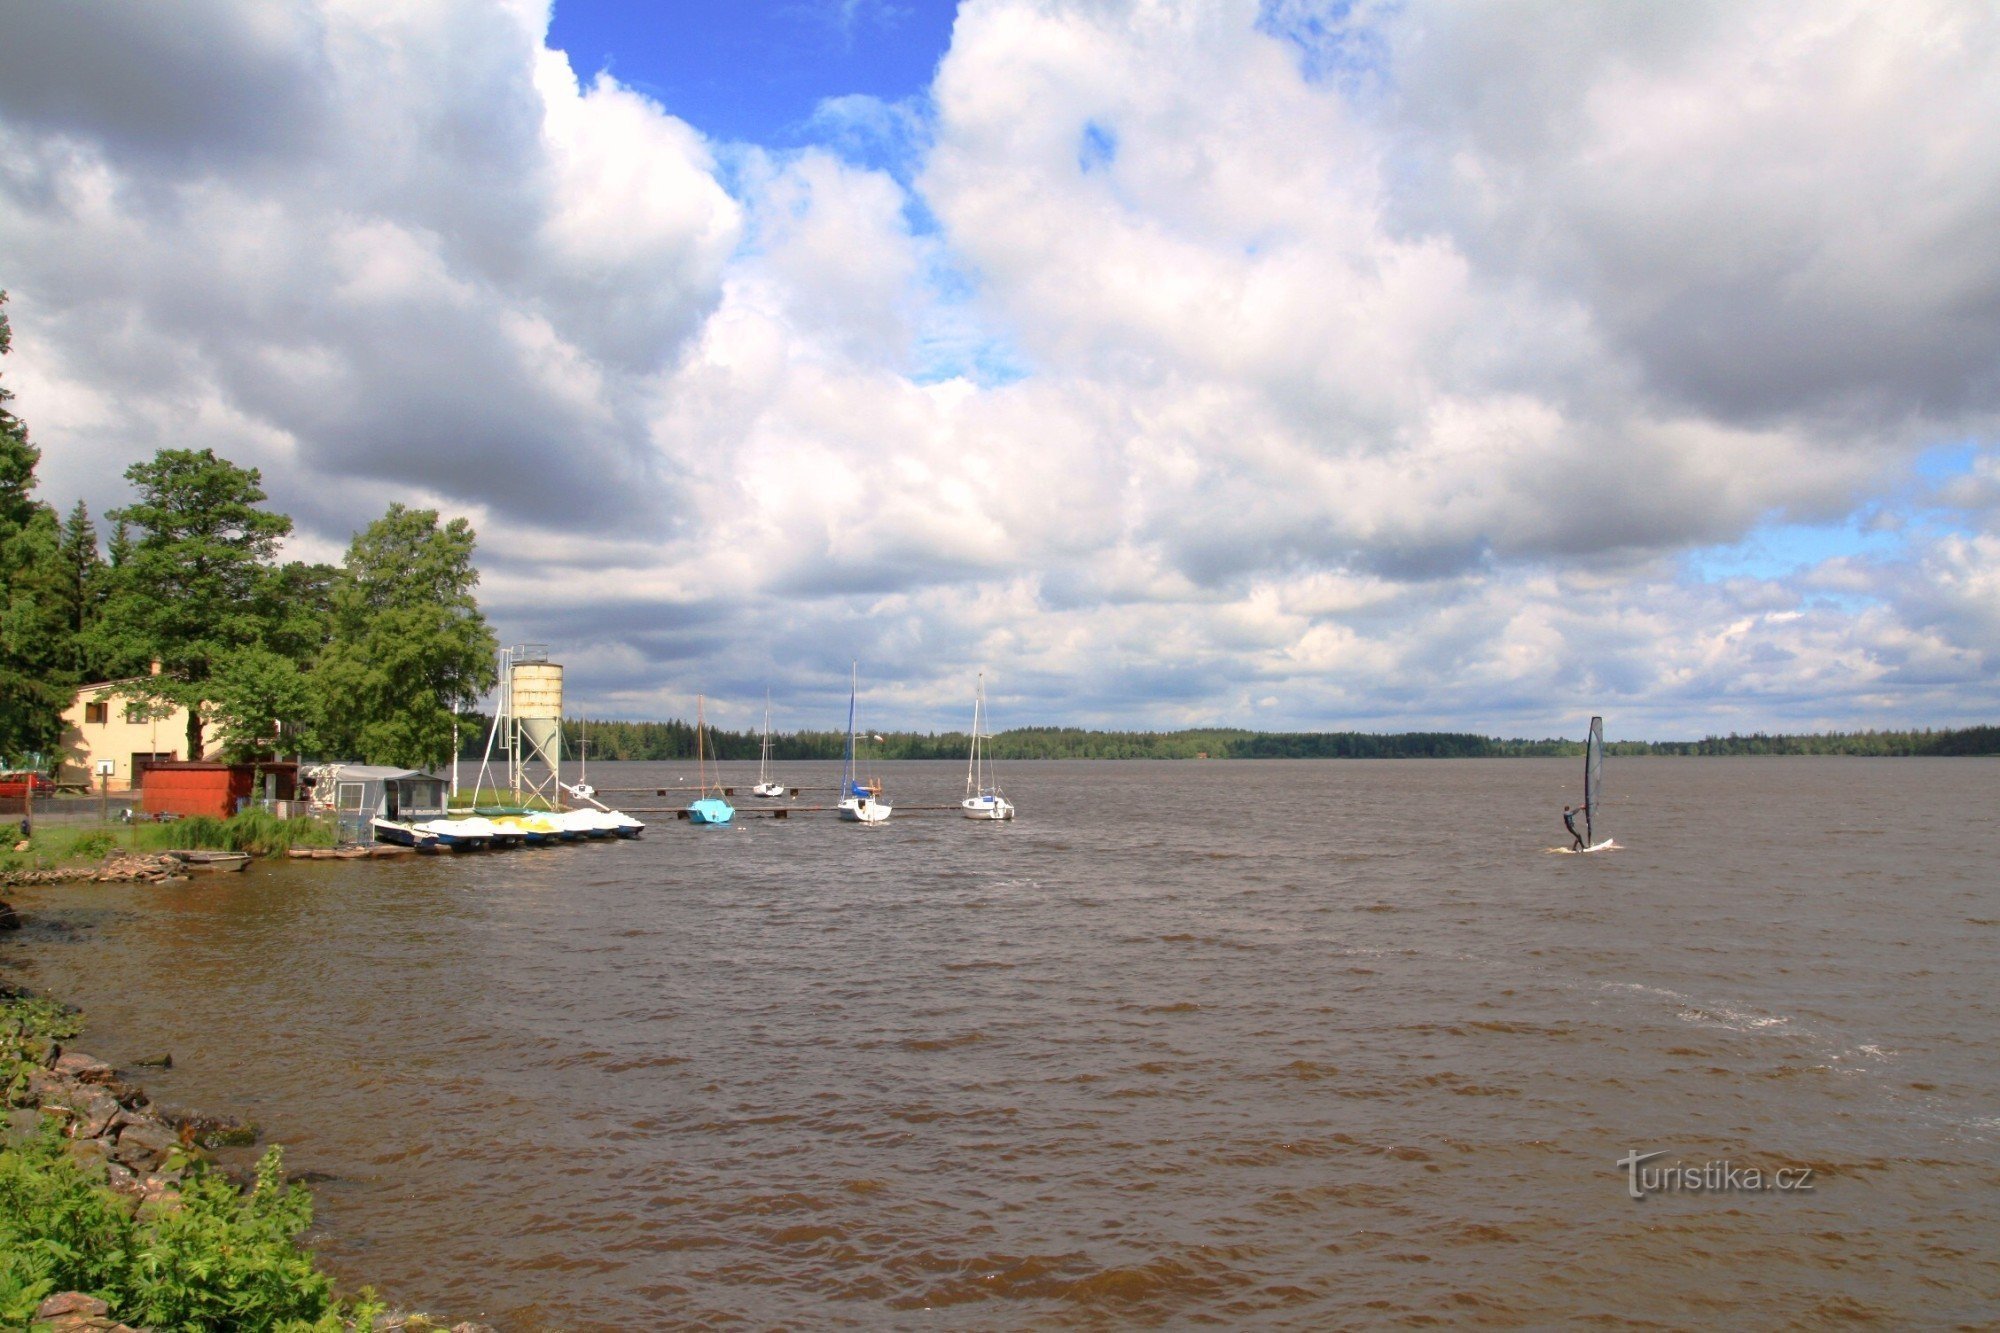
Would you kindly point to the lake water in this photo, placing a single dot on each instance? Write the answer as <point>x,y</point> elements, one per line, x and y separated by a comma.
<point>1284,1044</point>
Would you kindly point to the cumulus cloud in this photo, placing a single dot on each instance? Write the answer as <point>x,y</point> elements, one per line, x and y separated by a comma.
<point>453,271</point>
<point>1272,363</point>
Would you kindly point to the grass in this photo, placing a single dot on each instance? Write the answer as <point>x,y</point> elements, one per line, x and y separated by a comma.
<point>497,796</point>
<point>255,831</point>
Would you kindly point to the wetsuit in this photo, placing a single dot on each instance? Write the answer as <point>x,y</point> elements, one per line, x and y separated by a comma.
<point>1569,822</point>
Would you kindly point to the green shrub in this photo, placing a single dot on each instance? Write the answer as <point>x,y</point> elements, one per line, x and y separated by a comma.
<point>225,1260</point>
<point>258,832</point>
<point>58,1231</point>
<point>222,1260</point>
<point>95,844</point>
<point>33,1016</point>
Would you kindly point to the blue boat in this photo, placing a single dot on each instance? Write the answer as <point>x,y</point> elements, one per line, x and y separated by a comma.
<point>706,809</point>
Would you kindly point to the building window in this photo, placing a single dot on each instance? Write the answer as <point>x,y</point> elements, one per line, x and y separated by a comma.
<point>97,714</point>
<point>350,796</point>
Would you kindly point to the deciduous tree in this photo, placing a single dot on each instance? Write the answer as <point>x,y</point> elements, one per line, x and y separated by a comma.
<point>408,644</point>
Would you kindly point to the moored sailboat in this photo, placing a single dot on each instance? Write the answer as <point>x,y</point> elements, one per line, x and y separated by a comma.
<point>982,795</point>
<point>706,809</point>
<point>765,787</point>
<point>858,804</point>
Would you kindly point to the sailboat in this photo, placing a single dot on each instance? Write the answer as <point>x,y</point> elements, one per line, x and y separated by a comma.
<point>982,798</point>
<point>858,804</point>
<point>706,809</point>
<point>766,787</point>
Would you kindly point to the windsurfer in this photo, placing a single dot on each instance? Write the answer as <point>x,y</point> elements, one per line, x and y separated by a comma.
<point>1569,822</point>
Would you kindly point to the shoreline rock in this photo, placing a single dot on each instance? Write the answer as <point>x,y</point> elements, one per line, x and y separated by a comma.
<point>120,867</point>
<point>135,1148</point>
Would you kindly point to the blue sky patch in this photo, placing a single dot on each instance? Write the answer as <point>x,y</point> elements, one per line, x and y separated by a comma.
<point>1776,550</point>
<point>756,71</point>
<point>1097,148</point>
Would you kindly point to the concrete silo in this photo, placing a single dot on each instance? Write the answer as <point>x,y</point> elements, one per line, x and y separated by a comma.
<point>538,708</point>
<point>527,726</point>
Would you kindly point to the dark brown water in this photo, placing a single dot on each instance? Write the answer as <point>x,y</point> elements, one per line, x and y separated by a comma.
<point>1291,1044</point>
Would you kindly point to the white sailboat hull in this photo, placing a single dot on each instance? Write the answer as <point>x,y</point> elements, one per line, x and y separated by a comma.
<point>986,807</point>
<point>864,810</point>
<point>768,789</point>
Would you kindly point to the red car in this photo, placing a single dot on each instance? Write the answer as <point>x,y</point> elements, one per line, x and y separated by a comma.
<point>17,784</point>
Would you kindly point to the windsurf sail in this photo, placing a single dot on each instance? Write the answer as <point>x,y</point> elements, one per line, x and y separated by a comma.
<point>1593,781</point>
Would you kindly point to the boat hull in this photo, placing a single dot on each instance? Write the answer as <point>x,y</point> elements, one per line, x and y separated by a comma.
<point>403,835</point>
<point>212,863</point>
<point>709,810</point>
<point>986,807</point>
<point>768,789</point>
<point>864,810</point>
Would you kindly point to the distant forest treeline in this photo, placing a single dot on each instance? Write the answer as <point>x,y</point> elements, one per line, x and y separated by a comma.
<point>675,740</point>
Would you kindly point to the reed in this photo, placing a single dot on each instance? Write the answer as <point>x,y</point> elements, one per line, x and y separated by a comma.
<point>258,832</point>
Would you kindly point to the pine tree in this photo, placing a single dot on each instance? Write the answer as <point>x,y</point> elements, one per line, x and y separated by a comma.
<point>37,652</point>
<point>193,589</point>
<point>82,583</point>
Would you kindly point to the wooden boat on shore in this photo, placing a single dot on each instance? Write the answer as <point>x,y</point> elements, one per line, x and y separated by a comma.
<point>198,862</point>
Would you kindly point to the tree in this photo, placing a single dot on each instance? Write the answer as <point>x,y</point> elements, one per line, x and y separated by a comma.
<point>253,697</point>
<point>36,648</point>
<point>18,458</point>
<point>408,645</point>
<point>82,582</point>
<point>193,588</point>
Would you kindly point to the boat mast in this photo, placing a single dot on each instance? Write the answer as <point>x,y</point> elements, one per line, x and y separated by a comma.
<point>847,767</point>
<point>975,783</point>
<point>700,772</point>
<point>764,758</point>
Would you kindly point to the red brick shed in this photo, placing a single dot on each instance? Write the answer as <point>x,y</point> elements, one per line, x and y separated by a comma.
<point>188,787</point>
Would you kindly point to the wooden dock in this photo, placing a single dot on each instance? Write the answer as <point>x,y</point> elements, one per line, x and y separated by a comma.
<point>778,812</point>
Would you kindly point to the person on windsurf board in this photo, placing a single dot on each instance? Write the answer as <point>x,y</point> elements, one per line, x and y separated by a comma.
<point>1569,822</point>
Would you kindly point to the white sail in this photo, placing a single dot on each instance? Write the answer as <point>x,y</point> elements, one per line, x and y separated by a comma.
<point>982,798</point>
<point>1593,785</point>
<point>858,804</point>
<point>766,787</point>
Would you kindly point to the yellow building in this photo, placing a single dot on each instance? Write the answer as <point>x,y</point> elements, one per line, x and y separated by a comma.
<point>104,726</point>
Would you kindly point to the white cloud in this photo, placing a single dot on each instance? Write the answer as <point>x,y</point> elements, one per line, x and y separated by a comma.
<point>1376,383</point>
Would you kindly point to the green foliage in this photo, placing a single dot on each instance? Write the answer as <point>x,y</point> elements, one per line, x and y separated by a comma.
<point>194,588</point>
<point>18,458</point>
<point>222,1260</point>
<point>258,832</point>
<point>253,692</point>
<point>26,1016</point>
<point>96,843</point>
<point>408,644</point>
<point>225,1260</point>
<point>82,582</point>
<point>37,646</point>
<point>58,1230</point>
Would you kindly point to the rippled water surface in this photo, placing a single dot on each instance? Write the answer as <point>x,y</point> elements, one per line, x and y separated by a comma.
<point>1291,1044</point>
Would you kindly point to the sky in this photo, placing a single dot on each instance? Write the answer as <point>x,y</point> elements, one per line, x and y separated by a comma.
<point>1287,365</point>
